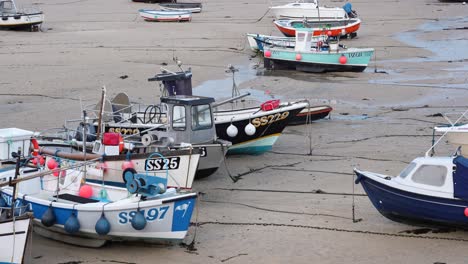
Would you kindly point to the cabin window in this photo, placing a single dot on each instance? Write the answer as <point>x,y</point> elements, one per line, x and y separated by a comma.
<point>201,117</point>
<point>408,170</point>
<point>7,6</point>
<point>430,174</point>
<point>178,117</point>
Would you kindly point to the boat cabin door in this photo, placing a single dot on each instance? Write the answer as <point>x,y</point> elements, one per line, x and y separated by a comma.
<point>191,119</point>
<point>303,40</point>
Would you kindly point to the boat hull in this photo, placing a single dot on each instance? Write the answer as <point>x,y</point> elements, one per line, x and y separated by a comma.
<point>269,126</point>
<point>165,16</point>
<point>322,61</point>
<point>311,114</point>
<point>308,11</point>
<point>181,166</point>
<point>412,208</point>
<point>17,239</point>
<point>187,7</point>
<point>167,219</point>
<point>21,21</point>
<point>336,28</point>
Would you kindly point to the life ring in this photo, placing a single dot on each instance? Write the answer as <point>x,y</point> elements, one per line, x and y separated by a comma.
<point>35,145</point>
<point>121,143</point>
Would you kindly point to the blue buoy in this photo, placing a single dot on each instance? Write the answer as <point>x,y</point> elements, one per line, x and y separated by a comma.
<point>102,225</point>
<point>48,218</point>
<point>72,225</point>
<point>139,221</point>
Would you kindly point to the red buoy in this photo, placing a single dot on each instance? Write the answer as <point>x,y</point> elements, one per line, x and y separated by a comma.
<point>52,164</point>
<point>103,166</point>
<point>267,54</point>
<point>298,57</point>
<point>329,33</point>
<point>86,191</point>
<point>343,59</point>
<point>128,164</point>
<point>466,212</point>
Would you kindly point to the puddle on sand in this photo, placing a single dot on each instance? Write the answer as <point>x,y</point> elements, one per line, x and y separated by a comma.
<point>349,117</point>
<point>450,46</point>
<point>222,88</point>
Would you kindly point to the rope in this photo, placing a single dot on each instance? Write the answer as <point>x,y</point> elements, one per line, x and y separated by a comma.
<point>258,20</point>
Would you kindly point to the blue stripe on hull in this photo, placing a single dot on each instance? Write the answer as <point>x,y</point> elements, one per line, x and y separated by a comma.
<point>405,206</point>
<point>38,210</point>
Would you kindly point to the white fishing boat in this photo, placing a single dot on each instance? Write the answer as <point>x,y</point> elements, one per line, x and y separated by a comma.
<point>165,15</point>
<point>456,131</point>
<point>186,7</point>
<point>14,18</point>
<point>14,236</point>
<point>312,11</point>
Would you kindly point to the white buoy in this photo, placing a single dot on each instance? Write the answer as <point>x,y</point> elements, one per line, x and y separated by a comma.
<point>250,129</point>
<point>232,130</point>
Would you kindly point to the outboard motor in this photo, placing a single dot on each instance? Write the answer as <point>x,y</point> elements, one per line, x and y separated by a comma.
<point>175,83</point>
<point>348,8</point>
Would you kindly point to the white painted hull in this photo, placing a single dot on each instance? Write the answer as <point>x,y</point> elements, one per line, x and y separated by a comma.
<point>165,16</point>
<point>457,136</point>
<point>22,20</point>
<point>181,176</point>
<point>308,11</point>
<point>167,217</point>
<point>13,240</point>
<point>192,10</point>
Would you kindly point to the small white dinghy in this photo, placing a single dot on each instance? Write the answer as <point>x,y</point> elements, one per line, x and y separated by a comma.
<point>12,18</point>
<point>187,7</point>
<point>165,16</point>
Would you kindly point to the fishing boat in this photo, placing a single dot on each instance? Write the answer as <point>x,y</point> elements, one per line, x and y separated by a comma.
<point>177,120</point>
<point>164,15</point>
<point>456,130</point>
<point>250,130</point>
<point>89,215</point>
<point>185,7</point>
<point>13,18</point>
<point>15,221</point>
<point>431,190</point>
<point>321,59</point>
<point>310,114</point>
<point>342,28</point>
<point>312,11</point>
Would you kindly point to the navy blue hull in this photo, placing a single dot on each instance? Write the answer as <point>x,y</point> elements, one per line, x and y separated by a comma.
<point>412,208</point>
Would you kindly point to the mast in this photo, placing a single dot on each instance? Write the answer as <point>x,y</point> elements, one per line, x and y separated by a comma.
<point>17,171</point>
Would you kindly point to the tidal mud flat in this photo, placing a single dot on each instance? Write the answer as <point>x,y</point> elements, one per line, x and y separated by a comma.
<point>293,204</point>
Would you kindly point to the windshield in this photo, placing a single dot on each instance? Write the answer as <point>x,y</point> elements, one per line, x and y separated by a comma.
<point>407,170</point>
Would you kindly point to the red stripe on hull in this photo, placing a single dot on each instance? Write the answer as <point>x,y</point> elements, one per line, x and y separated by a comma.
<point>291,32</point>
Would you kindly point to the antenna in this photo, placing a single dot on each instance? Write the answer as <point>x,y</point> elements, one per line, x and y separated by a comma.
<point>233,70</point>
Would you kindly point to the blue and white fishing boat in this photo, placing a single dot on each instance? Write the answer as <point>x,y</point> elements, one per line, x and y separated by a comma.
<point>91,214</point>
<point>322,58</point>
<point>165,15</point>
<point>430,190</point>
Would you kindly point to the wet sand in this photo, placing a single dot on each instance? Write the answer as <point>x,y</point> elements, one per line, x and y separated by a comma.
<point>288,206</point>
